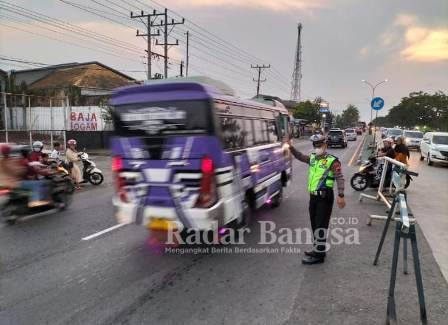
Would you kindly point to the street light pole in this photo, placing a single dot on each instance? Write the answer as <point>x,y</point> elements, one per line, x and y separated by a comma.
<point>373,87</point>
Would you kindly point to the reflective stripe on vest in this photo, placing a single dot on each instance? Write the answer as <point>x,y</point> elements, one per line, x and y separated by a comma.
<point>320,174</point>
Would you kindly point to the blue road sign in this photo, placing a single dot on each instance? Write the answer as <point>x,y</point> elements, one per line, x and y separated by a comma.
<point>377,103</point>
<point>324,110</point>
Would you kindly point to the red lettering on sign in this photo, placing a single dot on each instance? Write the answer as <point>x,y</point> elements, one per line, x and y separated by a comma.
<point>72,116</point>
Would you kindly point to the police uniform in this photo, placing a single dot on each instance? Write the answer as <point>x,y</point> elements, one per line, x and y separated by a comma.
<point>320,187</point>
<point>324,170</point>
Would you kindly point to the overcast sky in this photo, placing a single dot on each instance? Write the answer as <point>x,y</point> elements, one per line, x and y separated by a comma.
<point>343,42</point>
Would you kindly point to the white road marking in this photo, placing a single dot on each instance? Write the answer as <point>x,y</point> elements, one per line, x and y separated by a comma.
<point>356,153</point>
<point>99,233</point>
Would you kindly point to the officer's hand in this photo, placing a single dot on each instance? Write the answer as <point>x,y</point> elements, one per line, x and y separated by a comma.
<point>341,202</point>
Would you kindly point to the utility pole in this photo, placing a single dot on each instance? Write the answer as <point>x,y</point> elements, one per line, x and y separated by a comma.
<point>181,69</point>
<point>188,55</point>
<point>260,68</point>
<point>148,35</point>
<point>164,23</point>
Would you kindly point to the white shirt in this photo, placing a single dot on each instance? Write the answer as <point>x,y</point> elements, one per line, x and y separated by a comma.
<point>55,154</point>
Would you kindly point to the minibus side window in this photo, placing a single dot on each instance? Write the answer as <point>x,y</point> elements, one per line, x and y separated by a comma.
<point>248,129</point>
<point>272,131</point>
<point>284,125</point>
<point>260,130</point>
<point>233,133</point>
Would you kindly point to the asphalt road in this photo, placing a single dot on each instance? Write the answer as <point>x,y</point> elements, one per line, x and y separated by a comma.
<point>49,275</point>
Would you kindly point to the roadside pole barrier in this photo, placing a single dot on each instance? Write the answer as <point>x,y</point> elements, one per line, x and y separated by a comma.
<point>404,229</point>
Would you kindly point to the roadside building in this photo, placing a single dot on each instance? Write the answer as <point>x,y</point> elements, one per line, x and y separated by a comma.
<point>84,84</point>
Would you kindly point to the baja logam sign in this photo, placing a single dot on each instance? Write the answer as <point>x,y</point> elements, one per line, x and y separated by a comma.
<point>83,122</point>
<point>86,119</point>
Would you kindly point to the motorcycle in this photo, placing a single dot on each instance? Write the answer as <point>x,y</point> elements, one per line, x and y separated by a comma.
<point>91,173</point>
<point>369,175</point>
<point>15,203</point>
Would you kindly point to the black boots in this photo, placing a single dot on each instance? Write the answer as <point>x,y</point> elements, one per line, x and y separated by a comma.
<point>312,259</point>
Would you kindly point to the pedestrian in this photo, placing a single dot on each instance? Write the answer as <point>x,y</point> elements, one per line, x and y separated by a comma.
<point>324,170</point>
<point>401,151</point>
<point>73,159</point>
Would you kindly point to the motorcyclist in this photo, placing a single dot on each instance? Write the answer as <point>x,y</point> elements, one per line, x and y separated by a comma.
<point>387,150</point>
<point>11,169</point>
<point>56,153</point>
<point>73,158</point>
<point>36,154</point>
<point>35,179</point>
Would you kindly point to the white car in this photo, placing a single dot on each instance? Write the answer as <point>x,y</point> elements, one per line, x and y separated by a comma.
<point>350,134</point>
<point>434,147</point>
<point>412,138</point>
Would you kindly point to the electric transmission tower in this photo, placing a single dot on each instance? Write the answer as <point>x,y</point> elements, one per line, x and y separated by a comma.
<point>297,73</point>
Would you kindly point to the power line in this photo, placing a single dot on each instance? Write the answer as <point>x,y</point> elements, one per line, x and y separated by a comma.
<point>62,24</point>
<point>216,39</point>
<point>70,43</point>
<point>223,48</point>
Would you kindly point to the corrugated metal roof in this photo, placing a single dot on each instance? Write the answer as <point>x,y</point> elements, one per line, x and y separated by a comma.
<point>88,75</point>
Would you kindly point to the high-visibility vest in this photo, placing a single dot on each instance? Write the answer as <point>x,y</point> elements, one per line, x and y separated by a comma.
<point>320,175</point>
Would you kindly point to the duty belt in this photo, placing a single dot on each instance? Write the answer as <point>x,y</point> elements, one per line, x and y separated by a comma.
<point>322,192</point>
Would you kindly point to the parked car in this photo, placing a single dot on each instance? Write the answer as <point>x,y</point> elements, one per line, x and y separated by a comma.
<point>336,137</point>
<point>394,133</point>
<point>350,134</point>
<point>434,147</point>
<point>412,138</point>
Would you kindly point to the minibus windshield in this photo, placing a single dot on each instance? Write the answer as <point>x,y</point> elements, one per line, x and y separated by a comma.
<point>163,118</point>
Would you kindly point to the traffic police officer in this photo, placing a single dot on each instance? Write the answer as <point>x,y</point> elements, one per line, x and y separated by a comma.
<point>324,170</point>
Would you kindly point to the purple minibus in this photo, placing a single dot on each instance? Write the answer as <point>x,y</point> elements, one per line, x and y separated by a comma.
<point>187,155</point>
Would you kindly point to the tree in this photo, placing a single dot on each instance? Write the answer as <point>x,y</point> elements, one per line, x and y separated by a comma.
<point>349,117</point>
<point>419,109</point>
<point>338,121</point>
<point>309,111</point>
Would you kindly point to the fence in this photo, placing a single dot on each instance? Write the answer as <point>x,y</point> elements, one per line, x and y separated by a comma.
<point>27,118</point>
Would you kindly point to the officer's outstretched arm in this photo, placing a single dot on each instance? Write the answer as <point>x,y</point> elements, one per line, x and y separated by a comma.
<point>299,156</point>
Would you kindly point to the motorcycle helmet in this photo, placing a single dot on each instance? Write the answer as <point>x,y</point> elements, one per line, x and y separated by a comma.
<point>71,142</point>
<point>318,139</point>
<point>5,149</point>
<point>38,146</point>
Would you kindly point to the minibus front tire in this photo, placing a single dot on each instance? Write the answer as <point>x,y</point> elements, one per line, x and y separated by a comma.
<point>277,200</point>
<point>244,220</point>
